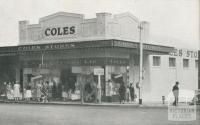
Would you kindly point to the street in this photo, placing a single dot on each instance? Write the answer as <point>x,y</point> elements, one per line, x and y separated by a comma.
<point>29,114</point>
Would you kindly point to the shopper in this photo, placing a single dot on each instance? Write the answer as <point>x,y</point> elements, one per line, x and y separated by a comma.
<point>128,95</point>
<point>175,91</point>
<point>45,92</point>
<point>110,90</point>
<point>64,93</point>
<point>132,92</point>
<point>94,92</point>
<point>88,91</point>
<point>38,91</point>
<point>54,90</point>
<point>16,91</point>
<point>122,92</point>
<point>28,93</point>
<point>9,91</point>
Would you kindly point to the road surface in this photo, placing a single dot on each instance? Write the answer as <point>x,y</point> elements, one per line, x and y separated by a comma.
<point>30,114</point>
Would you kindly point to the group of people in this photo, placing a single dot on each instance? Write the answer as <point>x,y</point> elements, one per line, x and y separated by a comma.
<point>126,93</point>
<point>92,92</point>
<point>13,91</point>
<point>42,91</point>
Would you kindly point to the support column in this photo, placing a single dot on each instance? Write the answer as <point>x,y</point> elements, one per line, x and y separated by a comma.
<point>131,69</point>
<point>107,77</point>
<point>17,75</point>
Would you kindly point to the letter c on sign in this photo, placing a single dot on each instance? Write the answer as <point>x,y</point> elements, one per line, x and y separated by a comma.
<point>53,31</point>
<point>47,32</point>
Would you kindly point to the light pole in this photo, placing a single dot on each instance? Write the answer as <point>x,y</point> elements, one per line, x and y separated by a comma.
<point>141,61</point>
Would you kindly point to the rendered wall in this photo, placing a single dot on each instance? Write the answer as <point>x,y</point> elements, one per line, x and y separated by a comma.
<point>164,77</point>
<point>104,26</point>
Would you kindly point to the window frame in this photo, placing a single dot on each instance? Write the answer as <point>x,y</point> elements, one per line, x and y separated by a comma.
<point>159,61</point>
<point>172,66</point>
<point>188,65</point>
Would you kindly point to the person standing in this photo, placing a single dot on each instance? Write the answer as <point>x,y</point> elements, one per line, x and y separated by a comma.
<point>16,91</point>
<point>175,91</point>
<point>45,92</point>
<point>128,95</point>
<point>38,91</point>
<point>122,92</point>
<point>8,90</point>
<point>64,93</point>
<point>87,92</point>
<point>110,90</point>
<point>28,93</point>
<point>132,92</point>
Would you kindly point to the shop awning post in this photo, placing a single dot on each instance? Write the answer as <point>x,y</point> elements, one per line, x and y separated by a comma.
<point>99,72</point>
<point>42,59</point>
<point>99,87</point>
<point>82,93</point>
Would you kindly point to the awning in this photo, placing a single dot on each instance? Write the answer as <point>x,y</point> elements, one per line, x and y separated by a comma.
<point>22,49</point>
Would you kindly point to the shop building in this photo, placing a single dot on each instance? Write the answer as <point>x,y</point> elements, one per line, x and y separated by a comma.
<point>65,49</point>
<point>180,65</point>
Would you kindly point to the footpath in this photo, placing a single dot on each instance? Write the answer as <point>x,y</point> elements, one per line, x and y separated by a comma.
<point>105,104</point>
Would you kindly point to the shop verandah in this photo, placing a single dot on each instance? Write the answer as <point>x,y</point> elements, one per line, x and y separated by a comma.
<point>68,68</point>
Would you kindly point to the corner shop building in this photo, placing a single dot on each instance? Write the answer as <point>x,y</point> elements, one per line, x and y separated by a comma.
<point>65,48</point>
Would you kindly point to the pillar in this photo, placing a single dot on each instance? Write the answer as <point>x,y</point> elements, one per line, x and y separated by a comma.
<point>131,69</point>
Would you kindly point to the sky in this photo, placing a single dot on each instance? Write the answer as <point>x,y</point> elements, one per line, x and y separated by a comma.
<point>171,21</point>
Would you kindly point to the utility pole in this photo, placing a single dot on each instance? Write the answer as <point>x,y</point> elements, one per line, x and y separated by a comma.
<point>141,62</point>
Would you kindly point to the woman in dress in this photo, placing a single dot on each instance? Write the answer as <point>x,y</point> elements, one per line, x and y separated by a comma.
<point>16,91</point>
<point>45,92</point>
<point>110,90</point>
<point>28,93</point>
<point>128,95</point>
<point>8,91</point>
<point>38,91</point>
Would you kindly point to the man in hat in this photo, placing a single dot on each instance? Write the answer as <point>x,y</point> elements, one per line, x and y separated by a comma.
<point>175,91</point>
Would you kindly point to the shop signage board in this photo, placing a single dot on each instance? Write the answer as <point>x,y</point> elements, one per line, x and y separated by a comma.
<point>97,61</point>
<point>98,71</point>
<point>83,44</point>
<point>60,31</point>
<point>185,53</point>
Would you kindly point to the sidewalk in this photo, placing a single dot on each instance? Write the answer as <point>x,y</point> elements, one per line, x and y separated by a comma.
<point>105,104</point>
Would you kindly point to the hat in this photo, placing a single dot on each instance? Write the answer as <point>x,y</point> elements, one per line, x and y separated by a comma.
<point>177,82</point>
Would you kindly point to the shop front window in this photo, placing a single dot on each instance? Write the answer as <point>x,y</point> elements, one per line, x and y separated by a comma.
<point>117,76</point>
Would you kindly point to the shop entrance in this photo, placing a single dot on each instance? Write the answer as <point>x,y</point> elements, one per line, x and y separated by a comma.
<point>68,80</point>
<point>70,87</point>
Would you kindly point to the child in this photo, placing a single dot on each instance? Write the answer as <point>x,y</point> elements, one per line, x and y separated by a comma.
<point>64,95</point>
<point>28,93</point>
